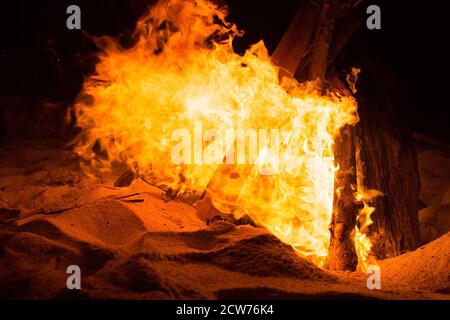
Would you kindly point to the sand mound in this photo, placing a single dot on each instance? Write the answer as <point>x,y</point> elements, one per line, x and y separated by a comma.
<point>427,268</point>
<point>131,243</point>
<point>122,257</point>
<point>101,224</point>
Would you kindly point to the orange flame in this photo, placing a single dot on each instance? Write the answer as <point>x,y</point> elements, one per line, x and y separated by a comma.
<point>182,74</point>
<point>363,244</point>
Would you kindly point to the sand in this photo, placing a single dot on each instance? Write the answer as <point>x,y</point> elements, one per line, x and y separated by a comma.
<point>425,268</point>
<point>131,243</point>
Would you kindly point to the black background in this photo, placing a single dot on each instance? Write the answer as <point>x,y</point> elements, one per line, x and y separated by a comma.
<point>302,310</point>
<point>39,56</point>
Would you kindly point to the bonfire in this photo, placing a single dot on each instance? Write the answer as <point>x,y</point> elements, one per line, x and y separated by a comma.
<point>190,170</point>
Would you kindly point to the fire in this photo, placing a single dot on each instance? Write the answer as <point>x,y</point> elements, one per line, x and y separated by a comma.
<point>363,244</point>
<point>181,71</point>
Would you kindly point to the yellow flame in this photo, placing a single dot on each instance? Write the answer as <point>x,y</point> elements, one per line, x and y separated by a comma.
<point>363,244</point>
<point>183,73</point>
<point>352,78</point>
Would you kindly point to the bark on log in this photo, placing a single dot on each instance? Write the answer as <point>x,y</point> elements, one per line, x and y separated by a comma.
<point>295,45</point>
<point>385,155</point>
<point>334,30</point>
<point>387,161</point>
<point>345,29</point>
<point>322,41</point>
<point>320,29</point>
<point>342,253</point>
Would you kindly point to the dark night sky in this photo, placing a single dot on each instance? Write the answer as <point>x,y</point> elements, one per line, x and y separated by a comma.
<point>413,43</point>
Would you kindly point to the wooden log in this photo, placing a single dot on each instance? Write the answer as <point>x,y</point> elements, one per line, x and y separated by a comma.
<point>296,42</point>
<point>342,253</point>
<point>322,40</point>
<point>307,42</point>
<point>314,51</point>
<point>385,157</point>
<point>386,161</point>
<point>345,29</point>
<point>336,26</point>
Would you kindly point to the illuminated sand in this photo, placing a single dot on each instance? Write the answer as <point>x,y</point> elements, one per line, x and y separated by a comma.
<point>154,248</point>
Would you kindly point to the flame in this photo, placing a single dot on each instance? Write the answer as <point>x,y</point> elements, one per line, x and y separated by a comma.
<point>363,244</point>
<point>352,79</point>
<point>182,74</point>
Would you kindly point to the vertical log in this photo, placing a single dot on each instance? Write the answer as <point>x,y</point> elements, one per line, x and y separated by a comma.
<point>333,31</point>
<point>342,253</point>
<point>295,45</point>
<point>308,42</point>
<point>387,161</point>
<point>345,29</point>
<point>322,41</point>
<point>385,157</point>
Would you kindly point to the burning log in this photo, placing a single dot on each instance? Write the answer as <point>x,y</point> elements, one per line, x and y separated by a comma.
<point>342,254</point>
<point>387,161</point>
<point>395,227</point>
<point>296,203</point>
<point>288,55</point>
<point>292,52</point>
